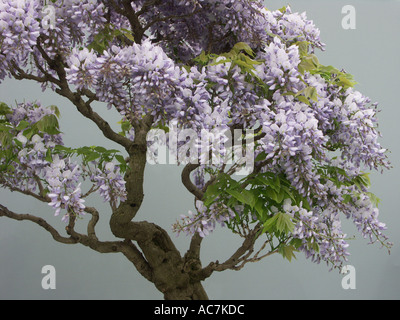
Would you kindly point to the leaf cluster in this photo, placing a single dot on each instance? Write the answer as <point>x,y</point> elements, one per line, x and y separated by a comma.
<point>90,154</point>
<point>240,55</point>
<point>310,63</point>
<point>103,39</point>
<point>10,145</point>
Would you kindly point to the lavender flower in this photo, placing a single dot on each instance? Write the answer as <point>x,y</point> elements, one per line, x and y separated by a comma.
<point>110,183</point>
<point>204,222</point>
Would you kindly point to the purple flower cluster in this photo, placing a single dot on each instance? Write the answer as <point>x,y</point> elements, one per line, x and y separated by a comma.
<point>292,27</point>
<point>281,65</point>
<point>358,130</point>
<point>40,170</point>
<point>131,79</point>
<point>19,29</point>
<point>110,183</point>
<point>205,220</point>
<point>321,234</point>
<point>299,137</point>
<point>58,177</point>
<point>141,79</point>
<point>64,187</point>
<point>75,23</point>
<point>31,152</point>
<point>365,216</point>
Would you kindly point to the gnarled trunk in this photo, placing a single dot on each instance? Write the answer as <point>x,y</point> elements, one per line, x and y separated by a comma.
<point>158,259</point>
<point>162,264</point>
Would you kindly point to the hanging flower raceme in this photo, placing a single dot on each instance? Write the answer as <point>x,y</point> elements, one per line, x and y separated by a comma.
<point>64,188</point>
<point>19,30</point>
<point>110,183</point>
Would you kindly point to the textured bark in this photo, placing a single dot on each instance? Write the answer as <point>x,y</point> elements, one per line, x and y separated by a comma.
<point>165,262</point>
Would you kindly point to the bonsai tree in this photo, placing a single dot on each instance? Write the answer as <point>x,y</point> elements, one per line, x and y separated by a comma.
<point>273,145</point>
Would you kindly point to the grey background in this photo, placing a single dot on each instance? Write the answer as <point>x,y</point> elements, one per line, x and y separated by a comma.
<point>370,53</point>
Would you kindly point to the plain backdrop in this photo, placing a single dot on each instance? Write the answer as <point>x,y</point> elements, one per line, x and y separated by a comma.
<point>370,53</point>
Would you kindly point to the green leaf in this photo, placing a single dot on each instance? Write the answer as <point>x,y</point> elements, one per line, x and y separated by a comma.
<point>374,199</point>
<point>101,149</point>
<point>287,252</point>
<point>91,156</point>
<point>313,245</point>
<point>128,34</point>
<point>28,133</point>
<point>280,222</point>
<point>308,63</point>
<point>243,46</point>
<point>211,194</point>
<point>120,159</point>
<point>261,156</point>
<point>284,223</point>
<point>49,156</point>
<point>304,100</point>
<point>288,192</point>
<point>277,184</point>
<point>48,124</point>
<point>280,196</point>
<point>4,109</point>
<point>346,82</point>
<point>22,125</point>
<point>311,93</point>
<point>245,196</point>
<point>303,48</point>
<point>328,69</point>
<point>347,198</point>
<point>270,193</point>
<point>269,225</point>
<point>55,110</point>
<point>260,207</point>
<point>222,61</point>
<point>283,9</point>
<point>297,243</point>
<point>202,58</point>
<point>6,139</point>
<point>365,180</point>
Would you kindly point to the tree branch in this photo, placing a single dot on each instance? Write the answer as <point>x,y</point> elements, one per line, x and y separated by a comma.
<point>4,212</point>
<point>125,247</point>
<point>86,110</point>
<point>187,182</point>
<point>238,259</point>
<point>132,253</point>
<point>192,256</point>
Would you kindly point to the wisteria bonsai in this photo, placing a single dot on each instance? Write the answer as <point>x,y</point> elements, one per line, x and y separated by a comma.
<point>212,68</point>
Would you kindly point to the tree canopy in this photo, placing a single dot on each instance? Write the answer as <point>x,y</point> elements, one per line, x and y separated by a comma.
<point>245,79</point>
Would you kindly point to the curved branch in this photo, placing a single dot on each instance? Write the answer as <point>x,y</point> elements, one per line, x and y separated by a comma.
<point>86,110</point>
<point>239,258</point>
<point>132,253</point>
<point>41,197</point>
<point>76,98</point>
<point>192,256</point>
<point>127,248</point>
<point>92,223</point>
<point>185,177</point>
<point>75,237</point>
<point>4,212</point>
